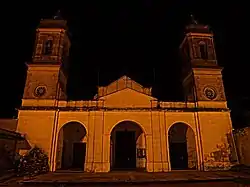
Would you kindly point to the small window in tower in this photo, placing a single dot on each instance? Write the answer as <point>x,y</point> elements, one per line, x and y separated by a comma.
<point>48,46</point>
<point>203,50</point>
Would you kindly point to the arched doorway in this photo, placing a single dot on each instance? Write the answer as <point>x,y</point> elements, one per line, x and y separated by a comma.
<point>127,147</point>
<point>71,147</point>
<point>182,147</point>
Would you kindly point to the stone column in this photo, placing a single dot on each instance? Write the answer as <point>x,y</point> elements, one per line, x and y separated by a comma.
<point>59,148</point>
<point>98,142</point>
<point>90,143</point>
<point>163,139</point>
<point>149,153</point>
<point>106,153</point>
<point>198,142</point>
<point>157,143</point>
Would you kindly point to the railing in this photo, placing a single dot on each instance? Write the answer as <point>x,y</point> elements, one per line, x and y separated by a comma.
<point>79,104</point>
<point>177,105</point>
<point>100,104</point>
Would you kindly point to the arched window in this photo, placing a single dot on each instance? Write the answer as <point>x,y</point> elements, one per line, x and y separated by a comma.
<point>203,50</point>
<point>48,46</point>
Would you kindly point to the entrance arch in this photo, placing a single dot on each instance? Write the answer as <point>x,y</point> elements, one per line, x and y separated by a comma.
<point>71,147</point>
<point>127,147</point>
<point>182,147</point>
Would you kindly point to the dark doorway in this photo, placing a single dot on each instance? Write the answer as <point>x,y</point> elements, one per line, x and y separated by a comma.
<point>178,156</point>
<point>79,150</point>
<point>70,147</point>
<point>125,150</point>
<point>182,148</point>
<point>63,166</point>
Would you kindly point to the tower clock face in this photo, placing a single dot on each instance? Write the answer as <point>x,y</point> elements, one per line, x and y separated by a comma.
<point>40,91</point>
<point>210,93</point>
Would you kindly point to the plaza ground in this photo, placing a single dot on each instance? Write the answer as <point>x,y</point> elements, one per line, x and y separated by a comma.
<point>194,178</point>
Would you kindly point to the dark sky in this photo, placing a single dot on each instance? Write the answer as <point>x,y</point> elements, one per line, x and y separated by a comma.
<point>129,37</point>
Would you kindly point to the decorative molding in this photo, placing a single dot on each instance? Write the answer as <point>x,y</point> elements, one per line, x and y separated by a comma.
<point>122,83</point>
<point>124,109</point>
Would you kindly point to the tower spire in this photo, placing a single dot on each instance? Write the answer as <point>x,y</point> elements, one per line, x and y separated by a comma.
<point>195,27</point>
<point>202,80</point>
<point>49,48</point>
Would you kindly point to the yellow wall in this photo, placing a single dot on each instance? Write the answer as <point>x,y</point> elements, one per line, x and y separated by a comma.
<point>214,126</point>
<point>210,129</point>
<point>37,127</point>
<point>215,130</point>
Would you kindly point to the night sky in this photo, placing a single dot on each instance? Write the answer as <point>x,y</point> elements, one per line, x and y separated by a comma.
<point>133,38</point>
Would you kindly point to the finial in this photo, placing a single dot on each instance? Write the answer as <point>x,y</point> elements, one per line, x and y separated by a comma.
<point>57,15</point>
<point>193,21</point>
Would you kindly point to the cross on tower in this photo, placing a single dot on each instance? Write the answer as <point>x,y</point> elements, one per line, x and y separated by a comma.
<point>57,15</point>
<point>193,20</point>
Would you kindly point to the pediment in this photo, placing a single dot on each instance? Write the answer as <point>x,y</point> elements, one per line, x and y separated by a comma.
<point>127,98</point>
<point>121,84</point>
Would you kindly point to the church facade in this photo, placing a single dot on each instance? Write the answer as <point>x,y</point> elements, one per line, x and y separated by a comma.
<point>124,126</point>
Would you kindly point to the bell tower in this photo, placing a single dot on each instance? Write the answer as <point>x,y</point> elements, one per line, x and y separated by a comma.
<point>47,72</point>
<point>202,77</point>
